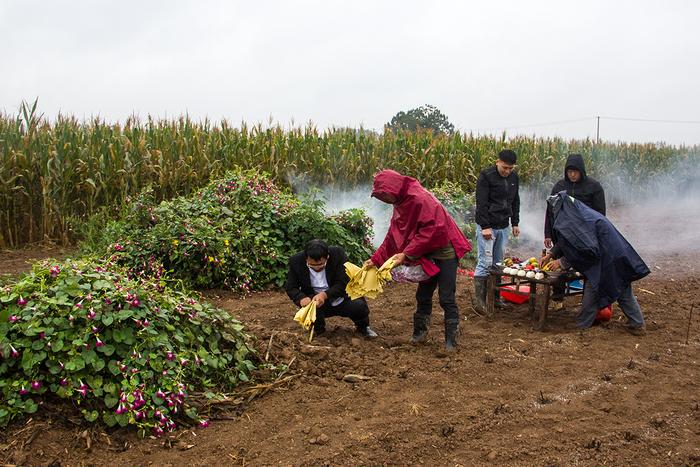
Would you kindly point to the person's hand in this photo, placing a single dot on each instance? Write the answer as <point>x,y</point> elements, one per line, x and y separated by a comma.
<point>548,243</point>
<point>368,264</point>
<point>555,265</point>
<point>487,234</point>
<point>304,301</point>
<point>399,258</point>
<point>320,298</point>
<point>545,259</point>
<point>516,231</point>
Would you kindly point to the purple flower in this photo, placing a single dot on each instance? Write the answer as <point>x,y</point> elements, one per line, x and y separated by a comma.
<point>21,301</point>
<point>170,356</point>
<point>23,391</point>
<point>42,335</point>
<point>135,303</point>
<point>64,382</point>
<point>79,305</point>
<point>71,318</point>
<point>108,301</point>
<point>95,330</point>
<point>118,247</point>
<point>13,352</point>
<point>91,314</point>
<point>184,361</point>
<point>160,394</point>
<point>83,389</point>
<point>120,409</point>
<point>140,415</point>
<point>12,319</point>
<point>157,431</point>
<point>36,385</point>
<point>55,271</point>
<point>203,423</point>
<point>99,343</point>
<point>146,323</point>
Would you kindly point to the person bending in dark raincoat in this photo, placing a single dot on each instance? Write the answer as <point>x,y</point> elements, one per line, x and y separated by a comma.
<point>588,190</point>
<point>587,241</point>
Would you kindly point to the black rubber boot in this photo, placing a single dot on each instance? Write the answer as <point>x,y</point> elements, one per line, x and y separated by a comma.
<point>479,300</point>
<point>451,334</point>
<point>421,323</point>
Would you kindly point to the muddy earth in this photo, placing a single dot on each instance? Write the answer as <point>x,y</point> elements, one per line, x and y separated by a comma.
<point>510,395</point>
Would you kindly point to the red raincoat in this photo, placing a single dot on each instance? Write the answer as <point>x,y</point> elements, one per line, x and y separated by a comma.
<point>420,224</point>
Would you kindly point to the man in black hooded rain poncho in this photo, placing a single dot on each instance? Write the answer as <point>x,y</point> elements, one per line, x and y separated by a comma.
<point>587,241</point>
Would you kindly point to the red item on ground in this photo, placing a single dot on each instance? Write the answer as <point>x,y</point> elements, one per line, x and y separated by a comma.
<point>604,314</point>
<point>419,225</point>
<point>508,294</point>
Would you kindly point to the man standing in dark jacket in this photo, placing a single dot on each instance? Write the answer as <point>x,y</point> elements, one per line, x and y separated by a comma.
<point>318,273</point>
<point>497,208</point>
<point>578,184</point>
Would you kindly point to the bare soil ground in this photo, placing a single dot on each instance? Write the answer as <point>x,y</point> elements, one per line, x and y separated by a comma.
<point>511,395</point>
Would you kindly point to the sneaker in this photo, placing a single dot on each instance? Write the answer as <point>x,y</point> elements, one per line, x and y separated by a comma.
<point>368,332</point>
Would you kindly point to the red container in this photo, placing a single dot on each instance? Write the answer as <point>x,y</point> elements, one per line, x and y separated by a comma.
<point>604,314</point>
<point>508,294</point>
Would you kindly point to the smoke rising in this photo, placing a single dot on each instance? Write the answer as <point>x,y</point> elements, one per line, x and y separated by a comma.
<point>659,217</point>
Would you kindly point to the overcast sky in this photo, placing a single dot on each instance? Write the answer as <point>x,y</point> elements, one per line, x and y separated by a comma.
<point>487,65</point>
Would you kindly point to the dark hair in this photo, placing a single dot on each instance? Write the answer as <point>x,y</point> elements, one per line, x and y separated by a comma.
<point>316,249</point>
<point>508,156</point>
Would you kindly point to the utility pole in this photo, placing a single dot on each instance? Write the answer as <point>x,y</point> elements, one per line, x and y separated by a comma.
<point>597,130</point>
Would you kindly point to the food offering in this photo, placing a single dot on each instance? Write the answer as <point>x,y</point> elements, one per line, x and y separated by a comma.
<point>529,269</point>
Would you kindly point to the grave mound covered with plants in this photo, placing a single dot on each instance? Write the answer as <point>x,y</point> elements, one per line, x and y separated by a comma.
<point>123,350</point>
<point>236,232</point>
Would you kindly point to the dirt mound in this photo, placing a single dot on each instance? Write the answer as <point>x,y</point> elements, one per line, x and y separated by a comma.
<point>510,395</point>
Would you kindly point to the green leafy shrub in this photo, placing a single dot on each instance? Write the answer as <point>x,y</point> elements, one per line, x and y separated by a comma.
<point>125,351</point>
<point>460,205</point>
<point>237,232</point>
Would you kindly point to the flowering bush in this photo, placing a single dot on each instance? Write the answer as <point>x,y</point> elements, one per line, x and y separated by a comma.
<point>237,231</point>
<point>125,351</point>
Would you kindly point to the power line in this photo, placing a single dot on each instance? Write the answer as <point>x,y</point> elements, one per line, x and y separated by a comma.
<point>558,122</point>
<point>651,120</point>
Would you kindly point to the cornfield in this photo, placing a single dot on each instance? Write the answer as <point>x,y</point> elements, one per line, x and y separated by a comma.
<point>54,175</point>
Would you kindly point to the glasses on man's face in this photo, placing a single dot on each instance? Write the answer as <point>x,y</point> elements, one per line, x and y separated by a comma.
<point>317,265</point>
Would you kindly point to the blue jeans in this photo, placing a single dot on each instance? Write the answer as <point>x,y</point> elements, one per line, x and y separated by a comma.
<point>627,301</point>
<point>490,252</point>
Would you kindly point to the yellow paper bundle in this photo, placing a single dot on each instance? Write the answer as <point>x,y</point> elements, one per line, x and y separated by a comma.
<point>367,281</point>
<point>306,316</point>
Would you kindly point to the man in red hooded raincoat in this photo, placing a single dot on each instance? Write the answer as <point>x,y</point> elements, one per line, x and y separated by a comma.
<point>421,230</point>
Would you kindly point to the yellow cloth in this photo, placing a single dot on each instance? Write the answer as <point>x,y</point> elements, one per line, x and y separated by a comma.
<point>306,316</point>
<point>367,281</point>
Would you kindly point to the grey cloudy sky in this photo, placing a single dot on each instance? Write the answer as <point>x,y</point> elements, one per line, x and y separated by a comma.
<point>487,65</point>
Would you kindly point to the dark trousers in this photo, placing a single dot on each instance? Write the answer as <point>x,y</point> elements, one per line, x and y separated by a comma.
<point>356,310</point>
<point>446,282</point>
<point>627,301</point>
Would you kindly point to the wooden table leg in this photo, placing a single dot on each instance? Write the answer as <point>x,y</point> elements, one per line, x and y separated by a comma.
<point>490,291</point>
<point>544,308</point>
<point>532,299</point>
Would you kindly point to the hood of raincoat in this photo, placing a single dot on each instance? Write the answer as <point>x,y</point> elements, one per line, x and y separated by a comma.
<point>594,247</point>
<point>419,224</point>
<point>575,161</point>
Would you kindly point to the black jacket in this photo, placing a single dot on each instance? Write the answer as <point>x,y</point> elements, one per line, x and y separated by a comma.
<point>587,190</point>
<point>298,284</point>
<point>497,199</point>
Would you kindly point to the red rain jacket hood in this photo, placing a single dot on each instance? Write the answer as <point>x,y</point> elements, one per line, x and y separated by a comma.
<point>419,225</point>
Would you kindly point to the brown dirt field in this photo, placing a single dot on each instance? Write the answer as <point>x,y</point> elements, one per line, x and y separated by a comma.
<point>511,395</point>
